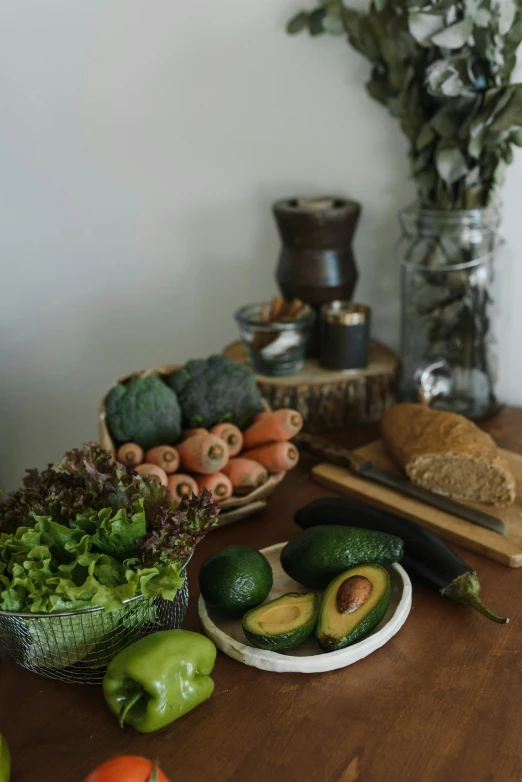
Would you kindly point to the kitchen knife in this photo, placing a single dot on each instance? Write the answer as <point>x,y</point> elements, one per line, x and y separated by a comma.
<point>364,468</point>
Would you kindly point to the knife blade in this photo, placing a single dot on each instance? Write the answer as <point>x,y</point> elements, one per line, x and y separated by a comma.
<point>364,468</point>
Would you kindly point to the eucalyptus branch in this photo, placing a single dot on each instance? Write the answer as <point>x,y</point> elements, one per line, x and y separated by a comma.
<point>444,69</point>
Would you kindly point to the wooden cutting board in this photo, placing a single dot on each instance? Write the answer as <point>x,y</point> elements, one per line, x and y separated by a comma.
<point>506,549</point>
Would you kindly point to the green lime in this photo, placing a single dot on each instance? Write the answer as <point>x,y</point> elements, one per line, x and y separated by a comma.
<point>235,579</point>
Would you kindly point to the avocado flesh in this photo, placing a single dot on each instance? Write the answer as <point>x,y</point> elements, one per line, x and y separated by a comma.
<point>321,553</point>
<point>337,630</point>
<point>283,623</point>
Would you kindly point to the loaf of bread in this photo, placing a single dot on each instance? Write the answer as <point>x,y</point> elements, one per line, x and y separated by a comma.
<point>448,454</point>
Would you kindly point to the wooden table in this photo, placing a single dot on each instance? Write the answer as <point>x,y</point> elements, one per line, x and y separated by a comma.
<point>441,702</point>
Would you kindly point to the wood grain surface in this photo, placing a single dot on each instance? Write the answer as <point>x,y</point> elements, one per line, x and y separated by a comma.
<point>332,400</point>
<point>506,549</point>
<point>441,702</point>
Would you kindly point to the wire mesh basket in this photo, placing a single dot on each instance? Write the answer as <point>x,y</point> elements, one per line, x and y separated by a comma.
<point>77,646</point>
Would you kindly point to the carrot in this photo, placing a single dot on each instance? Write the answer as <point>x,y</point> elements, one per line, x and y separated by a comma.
<point>186,433</point>
<point>165,457</point>
<point>231,435</point>
<point>217,484</point>
<point>259,417</point>
<point>245,474</point>
<point>152,471</point>
<point>130,454</point>
<point>203,453</point>
<point>275,456</point>
<point>281,425</point>
<point>180,485</point>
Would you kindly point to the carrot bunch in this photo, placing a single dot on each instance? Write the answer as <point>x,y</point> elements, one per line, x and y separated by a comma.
<point>223,460</point>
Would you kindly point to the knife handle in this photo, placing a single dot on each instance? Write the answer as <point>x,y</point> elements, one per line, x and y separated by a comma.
<point>335,454</point>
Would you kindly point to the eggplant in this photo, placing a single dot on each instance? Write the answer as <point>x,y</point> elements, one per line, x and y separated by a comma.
<point>425,554</point>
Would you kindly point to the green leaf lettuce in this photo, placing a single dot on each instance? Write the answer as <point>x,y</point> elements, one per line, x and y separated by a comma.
<point>74,553</point>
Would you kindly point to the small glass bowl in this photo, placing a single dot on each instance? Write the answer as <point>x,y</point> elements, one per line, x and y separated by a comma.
<point>277,348</point>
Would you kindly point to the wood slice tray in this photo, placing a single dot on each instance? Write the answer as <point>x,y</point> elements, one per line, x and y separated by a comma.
<point>506,549</point>
<point>332,400</point>
<point>232,510</point>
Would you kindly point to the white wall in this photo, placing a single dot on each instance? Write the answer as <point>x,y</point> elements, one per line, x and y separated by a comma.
<point>141,145</point>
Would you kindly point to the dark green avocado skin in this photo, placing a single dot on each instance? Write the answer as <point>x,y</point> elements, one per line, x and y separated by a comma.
<point>282,642</point>
<point>235,579</point>
<point>321,553</point>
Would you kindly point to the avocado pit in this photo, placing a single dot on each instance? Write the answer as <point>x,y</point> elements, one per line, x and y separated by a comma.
<point>352,594</point>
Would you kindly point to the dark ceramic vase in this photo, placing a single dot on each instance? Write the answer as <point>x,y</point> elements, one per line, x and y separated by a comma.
<point>316,262</point>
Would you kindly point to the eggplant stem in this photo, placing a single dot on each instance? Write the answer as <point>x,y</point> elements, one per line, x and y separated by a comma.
<point>466,589</point>
<point>128,706</point>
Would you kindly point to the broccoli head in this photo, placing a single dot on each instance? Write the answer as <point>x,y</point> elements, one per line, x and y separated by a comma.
<point>214,390</point>
<point>143,411</point>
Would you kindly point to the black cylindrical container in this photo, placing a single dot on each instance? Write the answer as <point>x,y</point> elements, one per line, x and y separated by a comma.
<point>344,335</point>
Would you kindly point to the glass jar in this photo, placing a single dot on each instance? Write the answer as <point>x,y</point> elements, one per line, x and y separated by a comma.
<point>452,318</point>
<point>275,348</point>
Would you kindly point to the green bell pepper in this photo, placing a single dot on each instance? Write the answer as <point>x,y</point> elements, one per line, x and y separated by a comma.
<point>5,760</point>
<point>159,678</point>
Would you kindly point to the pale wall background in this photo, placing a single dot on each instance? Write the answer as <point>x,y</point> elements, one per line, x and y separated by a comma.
<point>141,145</point>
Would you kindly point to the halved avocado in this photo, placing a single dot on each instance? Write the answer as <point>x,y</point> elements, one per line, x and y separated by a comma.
<point>353,603</point>
<point>283,623</point>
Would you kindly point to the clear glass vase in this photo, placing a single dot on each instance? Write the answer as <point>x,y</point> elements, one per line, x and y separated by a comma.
<point>453,291</point>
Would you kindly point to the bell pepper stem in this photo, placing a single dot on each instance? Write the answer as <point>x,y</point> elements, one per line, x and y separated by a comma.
<point>466,589</point>
<point>154,774</point>
<point>128,706</point>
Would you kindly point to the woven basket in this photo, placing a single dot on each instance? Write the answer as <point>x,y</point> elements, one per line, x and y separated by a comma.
<point>233,509</point>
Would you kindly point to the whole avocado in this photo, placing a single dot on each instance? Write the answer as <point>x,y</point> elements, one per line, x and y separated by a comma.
<point>321,553</point>
<point>235,579</point>
<point>143,411</point>
<point>215,390</point>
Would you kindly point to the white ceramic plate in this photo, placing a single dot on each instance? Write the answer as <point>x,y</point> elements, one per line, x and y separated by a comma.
<point>228,634</point>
